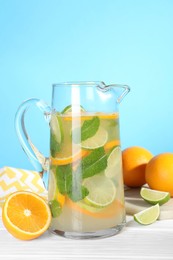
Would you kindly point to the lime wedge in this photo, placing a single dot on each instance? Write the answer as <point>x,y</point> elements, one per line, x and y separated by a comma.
<point>148,216</point>
<point>76,109</point>
<point>154,196</point>
<point>56,127</point>
<point>96,141</point>
<point>102,191</point>
<point>114,163</point>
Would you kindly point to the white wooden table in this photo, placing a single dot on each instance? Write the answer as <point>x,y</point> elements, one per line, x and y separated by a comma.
<point>134,242</point>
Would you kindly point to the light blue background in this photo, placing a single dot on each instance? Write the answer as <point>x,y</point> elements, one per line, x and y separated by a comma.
<point>116,41</point>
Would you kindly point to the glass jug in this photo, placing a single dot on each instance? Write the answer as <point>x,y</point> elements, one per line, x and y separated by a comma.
<point>83,173</point>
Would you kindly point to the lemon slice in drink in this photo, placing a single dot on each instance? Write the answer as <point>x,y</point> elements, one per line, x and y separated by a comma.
<point>102,191</point>
<point>148,216</point>
<point>96,141</point>
<point>114,163</point>
<point>154,196</point>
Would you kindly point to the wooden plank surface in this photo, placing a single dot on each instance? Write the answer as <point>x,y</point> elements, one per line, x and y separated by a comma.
<point>134,242</point>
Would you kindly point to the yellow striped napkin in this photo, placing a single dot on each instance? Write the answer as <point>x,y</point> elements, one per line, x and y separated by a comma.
<point>12,179</point>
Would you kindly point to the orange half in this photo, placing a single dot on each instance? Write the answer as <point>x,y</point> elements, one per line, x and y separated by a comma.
<point>26,215</point>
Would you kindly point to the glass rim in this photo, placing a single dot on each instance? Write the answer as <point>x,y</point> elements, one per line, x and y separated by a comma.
<point>77,83</point>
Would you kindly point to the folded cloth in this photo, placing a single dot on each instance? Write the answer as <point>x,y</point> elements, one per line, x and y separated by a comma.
<point>12,179</point>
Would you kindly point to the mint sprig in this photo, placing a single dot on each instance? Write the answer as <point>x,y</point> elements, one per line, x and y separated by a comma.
<point>69,182</point>
<point>94,163</point>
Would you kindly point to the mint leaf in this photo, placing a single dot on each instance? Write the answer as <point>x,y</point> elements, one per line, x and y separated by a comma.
<point>62,173</point>
<point>74,187</point>
<point>88,129</point>
<point>70,183</point>
<point>94,163</point>
<point>78,194</point>
<point>55,208</point>
<point>54,145</point>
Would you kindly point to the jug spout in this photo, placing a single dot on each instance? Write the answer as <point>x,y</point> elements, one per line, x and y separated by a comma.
<point>121,91</point>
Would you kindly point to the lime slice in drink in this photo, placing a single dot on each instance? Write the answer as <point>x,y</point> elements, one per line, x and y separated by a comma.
<point>97,140</point>
<point>56,127</point>
<point>148,216</point>
<point>114,163</point>
<point>154,196</point>
<point>88,207</point>
<point>54,193</point>
<point>102,191</point>
<point>52,186</point>
<point>74,108</point>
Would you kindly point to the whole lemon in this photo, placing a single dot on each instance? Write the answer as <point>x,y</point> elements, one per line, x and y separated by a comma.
<point>134,160</point>
<point>159,173</point>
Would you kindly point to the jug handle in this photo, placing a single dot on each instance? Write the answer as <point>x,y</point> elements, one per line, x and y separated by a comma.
<point>38,160</point>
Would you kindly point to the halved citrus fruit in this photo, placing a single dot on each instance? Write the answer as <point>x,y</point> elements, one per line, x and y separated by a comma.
<point>96,141</point>
<point>102,191</point>
<point>114,164</point>
<point>54,193</point>
<point>70,159</point>
<point>101,213</point>
<point>109,145</point>
<point>56,127</point>
<point>148,216</point>
<point>73,108</point>
<point>154,196</point>
<point>26,215</point>
<point>87,115</point>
